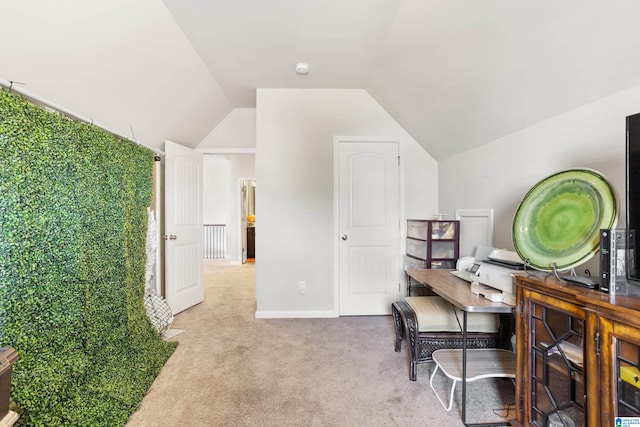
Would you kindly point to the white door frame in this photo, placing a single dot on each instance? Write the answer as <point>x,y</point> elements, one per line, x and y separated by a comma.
<point>236,194</point>
<point>336,211</point>
<point>240,231</point>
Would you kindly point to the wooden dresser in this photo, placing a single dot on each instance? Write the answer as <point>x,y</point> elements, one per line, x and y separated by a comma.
<point>578,354</point>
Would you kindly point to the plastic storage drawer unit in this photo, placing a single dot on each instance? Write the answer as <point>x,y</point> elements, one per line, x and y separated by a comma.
<point>417,248</point>
<point>411,263</point>
<point>417,229</point>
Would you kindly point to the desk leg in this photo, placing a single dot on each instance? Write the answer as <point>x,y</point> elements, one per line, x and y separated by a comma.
<point>464,380</point>
<point>464,368</point>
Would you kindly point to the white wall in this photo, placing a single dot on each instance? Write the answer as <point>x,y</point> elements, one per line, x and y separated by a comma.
<point>216,189</point>
<point>237,130</point>
<point>294,174</point>
<point>499,174</point>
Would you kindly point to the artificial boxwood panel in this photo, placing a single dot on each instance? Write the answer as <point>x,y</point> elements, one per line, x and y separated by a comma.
<point>73,221</point>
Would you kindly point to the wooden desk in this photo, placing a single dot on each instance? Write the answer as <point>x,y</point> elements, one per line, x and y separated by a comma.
<point>458,293</point>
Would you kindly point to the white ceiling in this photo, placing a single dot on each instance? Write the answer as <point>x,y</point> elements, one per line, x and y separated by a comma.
<point>454,73</point>
<point>249,44</point>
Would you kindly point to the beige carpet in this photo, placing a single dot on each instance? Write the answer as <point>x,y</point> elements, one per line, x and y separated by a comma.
<point>231,369</point>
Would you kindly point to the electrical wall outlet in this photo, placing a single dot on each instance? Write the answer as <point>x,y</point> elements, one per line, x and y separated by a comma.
<point>302,287</point>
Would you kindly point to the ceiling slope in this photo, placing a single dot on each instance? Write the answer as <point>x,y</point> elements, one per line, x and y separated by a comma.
<point>125,65</point>
<point>457,74</point>
<point>250,44</point>
<point>454,73</point>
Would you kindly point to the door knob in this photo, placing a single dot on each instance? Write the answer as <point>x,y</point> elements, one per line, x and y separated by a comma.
<point>169,237</point>
<point>344,237</point>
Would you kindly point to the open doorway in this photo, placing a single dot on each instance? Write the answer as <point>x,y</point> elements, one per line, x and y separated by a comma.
<point>248,219</point>
<point>223,175</point>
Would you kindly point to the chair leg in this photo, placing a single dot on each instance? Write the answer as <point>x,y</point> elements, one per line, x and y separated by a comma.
<point>411,330</point>
<point>413,371</point>
<point>397,323</point>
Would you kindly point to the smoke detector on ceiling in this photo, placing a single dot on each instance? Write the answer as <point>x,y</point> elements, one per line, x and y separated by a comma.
<point>302,68</point>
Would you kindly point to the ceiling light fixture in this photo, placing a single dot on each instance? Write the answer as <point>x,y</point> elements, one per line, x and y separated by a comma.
<point>302,68</point>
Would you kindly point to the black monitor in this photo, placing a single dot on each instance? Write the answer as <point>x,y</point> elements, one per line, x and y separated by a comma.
<point>633,197</point>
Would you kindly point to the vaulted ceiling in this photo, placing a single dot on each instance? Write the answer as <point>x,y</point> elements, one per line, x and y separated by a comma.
<point>455,74</point>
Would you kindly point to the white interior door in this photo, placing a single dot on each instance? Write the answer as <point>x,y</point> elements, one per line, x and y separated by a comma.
<point>369,227</point>
<point>183,237</point>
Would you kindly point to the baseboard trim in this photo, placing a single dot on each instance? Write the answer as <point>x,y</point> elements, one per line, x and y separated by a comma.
<point>295,314</point>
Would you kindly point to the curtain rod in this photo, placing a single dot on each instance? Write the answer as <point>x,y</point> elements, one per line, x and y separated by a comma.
<point>15,87</point>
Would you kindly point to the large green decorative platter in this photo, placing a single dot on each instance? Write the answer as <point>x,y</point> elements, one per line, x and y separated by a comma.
<point>557,224</point>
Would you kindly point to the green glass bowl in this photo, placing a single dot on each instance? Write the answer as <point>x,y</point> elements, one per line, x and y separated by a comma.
<point>559,220</point>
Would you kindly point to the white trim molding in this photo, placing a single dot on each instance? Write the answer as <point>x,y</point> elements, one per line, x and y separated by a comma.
<point>226,150</point>
<point>295,314</point>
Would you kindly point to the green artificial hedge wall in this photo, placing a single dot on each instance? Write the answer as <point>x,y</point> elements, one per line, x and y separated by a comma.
<point>73,222</point>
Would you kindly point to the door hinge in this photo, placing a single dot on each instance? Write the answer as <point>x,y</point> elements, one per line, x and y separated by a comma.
<point>398,160</point>
<point>597,344</point>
